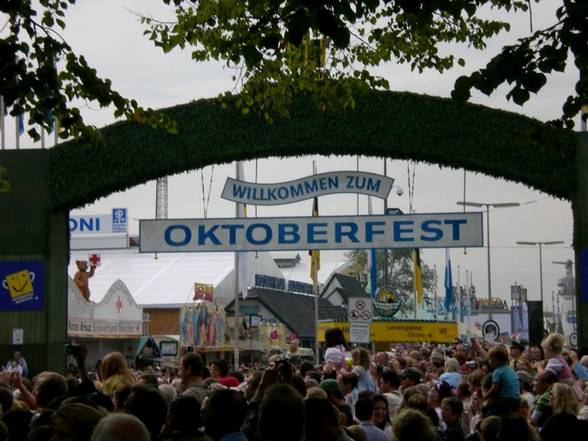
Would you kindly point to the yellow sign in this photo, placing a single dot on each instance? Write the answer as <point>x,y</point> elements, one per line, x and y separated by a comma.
<point>20,285</point>
<point>400,331</point>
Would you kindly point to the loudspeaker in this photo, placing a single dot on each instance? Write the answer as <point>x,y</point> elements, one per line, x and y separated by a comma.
<point>536,330</point>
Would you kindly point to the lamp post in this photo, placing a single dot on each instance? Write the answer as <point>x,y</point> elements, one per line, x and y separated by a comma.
<point>569,264</point>
<point>540,245</point>
<point>488,205</point>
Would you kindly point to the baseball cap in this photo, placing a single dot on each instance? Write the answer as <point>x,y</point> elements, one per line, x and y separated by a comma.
<point>515,344</point>
<point>330,386</point>
<point>411,373</point>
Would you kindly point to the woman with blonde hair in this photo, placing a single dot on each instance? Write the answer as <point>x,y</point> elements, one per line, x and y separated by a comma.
<point>115,373</point>
<point>563,424</point>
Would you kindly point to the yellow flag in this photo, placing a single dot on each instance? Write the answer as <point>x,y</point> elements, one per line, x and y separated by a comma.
<point>418,275</point>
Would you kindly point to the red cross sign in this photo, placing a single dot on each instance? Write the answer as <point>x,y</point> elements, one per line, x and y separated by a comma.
<point>119,305</point>
<point>94,259</point>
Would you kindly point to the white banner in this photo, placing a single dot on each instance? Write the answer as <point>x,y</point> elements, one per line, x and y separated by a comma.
<point>306,188</point>
<point>359,332</point>
<point>99,224</point>
<point>436,230</point>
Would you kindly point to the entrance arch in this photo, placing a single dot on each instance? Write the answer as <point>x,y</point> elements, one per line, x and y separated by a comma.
<point>387,124</point>
<point>46,184</point>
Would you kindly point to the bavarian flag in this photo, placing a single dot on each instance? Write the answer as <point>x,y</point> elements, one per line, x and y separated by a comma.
<point>315,256</point>
<point>418,275</point>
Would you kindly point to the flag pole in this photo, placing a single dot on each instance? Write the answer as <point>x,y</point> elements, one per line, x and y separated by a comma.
<point>315,288</point>
<point>236,258</point>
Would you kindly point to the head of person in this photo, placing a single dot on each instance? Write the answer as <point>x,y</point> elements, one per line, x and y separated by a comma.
<point>381,359</point>
<point>563,399</point>
<point>48,386</point>
<point>17,423</point>
<point>191,367</point>
<point>219,368</point>
<point>252,383</point>
<point>389,381</point>
<point>516,349</point>
<point>293,345</point>
<point>490,428</point>
<point>348,381</point>
<point>535,353</point>
<point>321,420</point>
<point>513,427</point>
<point>75,422</point>
<point>476,401</point>
<point>334,337</point>
<point>224,412</point>
<point>451,410</point>
<point>381,415</point>
<point>451,365</point>
<point>168,392</point>
<point>553,345</point>
<point>364,409</point>
<point>120,427</point>
<point>543,382</point>
<point>82,265</point>
<point>281,414</point>
<point>112,364</point>
<point>361,357</point>
<point>410,377</point>
<point>184,416</point>
<point>333,390</point>
<point>6,399</point>
<point>413,425</point>
<point>498,356</point>
<point>147,404</point>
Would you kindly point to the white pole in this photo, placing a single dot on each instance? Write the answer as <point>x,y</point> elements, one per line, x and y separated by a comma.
<point>236,258</point>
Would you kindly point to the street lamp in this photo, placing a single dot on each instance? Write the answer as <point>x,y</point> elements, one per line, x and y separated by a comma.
<point>569,264</point>
<point>488,205</point>
<point>540,244</point>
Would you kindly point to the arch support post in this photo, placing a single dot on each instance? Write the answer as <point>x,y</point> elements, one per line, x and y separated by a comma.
<point>580,208</point>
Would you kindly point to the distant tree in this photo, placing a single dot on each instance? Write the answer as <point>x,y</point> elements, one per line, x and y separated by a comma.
<point>400,274</point>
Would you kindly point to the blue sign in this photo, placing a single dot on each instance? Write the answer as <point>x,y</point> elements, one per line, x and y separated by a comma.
<point>21,286</point>
<point>263,281</point>
<point>436,230</point>
<point>119,220</point>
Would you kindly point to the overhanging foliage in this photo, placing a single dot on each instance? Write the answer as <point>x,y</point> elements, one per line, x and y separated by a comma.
<point>392,124</point>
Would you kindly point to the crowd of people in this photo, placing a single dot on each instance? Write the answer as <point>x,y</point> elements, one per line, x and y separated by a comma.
<point>471,390</point>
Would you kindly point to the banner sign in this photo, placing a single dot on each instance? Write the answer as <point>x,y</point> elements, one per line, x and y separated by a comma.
<point>307,188</point>
<point>21,286</point>
<point>437,230</point>
<point>113,223</point>
<point>203,291</point>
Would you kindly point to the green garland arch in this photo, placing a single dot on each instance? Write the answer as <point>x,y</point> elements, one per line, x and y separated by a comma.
<point>396,125</point>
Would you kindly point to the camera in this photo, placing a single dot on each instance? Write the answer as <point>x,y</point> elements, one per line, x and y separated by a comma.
<point>72,349</point>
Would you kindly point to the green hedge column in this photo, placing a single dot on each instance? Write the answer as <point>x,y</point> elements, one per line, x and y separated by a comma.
<point>30,232</point>
<point>580,206</point>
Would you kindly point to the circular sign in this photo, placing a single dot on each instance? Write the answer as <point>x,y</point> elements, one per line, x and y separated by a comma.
<point>490,330</point>
<point>573,339</point>
<point>360,304</point>
<point>387,302</point>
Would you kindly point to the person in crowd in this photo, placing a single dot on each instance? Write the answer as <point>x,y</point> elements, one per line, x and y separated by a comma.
<point>535,354</point>
<point>17,364</point>
<point>336,398</point>
<point>542,388</point>
<point>451,375</point>
<point>553,347</point>
<point>252,382</point>
<point>475,411</point>
<point>526,385</point>
<point>120,427</point>
<point>518,361</point>
<point>364,413</point>
<point>389,387</point>
<point>579,367</point>
<point>191,370</point>
<point>120,396</point>
<point>219,370</point>
<point>322,421</point>
<point>184,421</point>
<point>115,373</point>
<point>381,416</point>
<point>335,352</point>
<point>514,427</point>
<point>583,410</point>
<point>348,383</point>
<point>168,393</point>
<point>361,361</point>
<point>563,423</point>
<point>412,425</point>
<point>75,421</point>
<point>451,410</point>
<point>409,376</point>
<point>437,392</point>
<point>504,394</point>
<point>147,404</point>
<point>281,414</point>
<point>490,428</point>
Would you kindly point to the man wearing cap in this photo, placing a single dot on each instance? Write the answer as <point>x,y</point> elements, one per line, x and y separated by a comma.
<point>335,396</point>
<point>518,362</point>
<point>409,377</point>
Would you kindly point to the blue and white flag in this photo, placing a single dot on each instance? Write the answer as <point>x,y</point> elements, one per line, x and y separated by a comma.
<point>448,281</point>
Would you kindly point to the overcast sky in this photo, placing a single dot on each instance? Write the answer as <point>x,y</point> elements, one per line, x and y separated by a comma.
<point>110,37</point>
